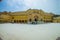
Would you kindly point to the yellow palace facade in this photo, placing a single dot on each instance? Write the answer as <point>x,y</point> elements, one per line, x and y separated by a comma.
<point>28,16</point>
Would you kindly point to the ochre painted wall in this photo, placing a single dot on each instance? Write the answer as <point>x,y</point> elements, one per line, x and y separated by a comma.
<point>40,15</point>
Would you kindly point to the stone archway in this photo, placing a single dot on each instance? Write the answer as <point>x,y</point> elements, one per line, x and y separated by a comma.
<point>36,19</point>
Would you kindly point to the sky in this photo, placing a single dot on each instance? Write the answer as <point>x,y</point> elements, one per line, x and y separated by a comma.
<point>22,5</point>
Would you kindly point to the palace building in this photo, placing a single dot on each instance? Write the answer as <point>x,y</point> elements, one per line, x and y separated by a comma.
<point>28,16</point>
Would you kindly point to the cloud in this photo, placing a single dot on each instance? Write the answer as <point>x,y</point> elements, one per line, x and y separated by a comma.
<point>13,2</point>
<point>17,5</point>
<point>26,3</point>
<point>34,3</point>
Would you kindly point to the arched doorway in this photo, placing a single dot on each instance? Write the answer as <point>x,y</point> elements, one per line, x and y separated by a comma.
<point>30,20</point>
<point>35,19</point>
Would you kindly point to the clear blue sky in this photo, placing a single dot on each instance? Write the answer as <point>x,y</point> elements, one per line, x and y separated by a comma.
<point>21,5</point>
